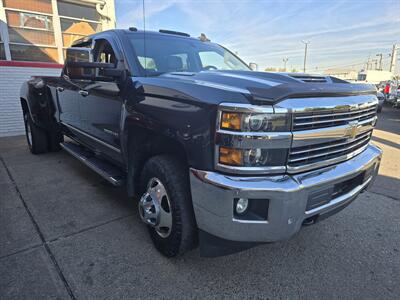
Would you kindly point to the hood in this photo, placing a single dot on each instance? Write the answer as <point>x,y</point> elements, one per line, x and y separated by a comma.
<point>268,88</point>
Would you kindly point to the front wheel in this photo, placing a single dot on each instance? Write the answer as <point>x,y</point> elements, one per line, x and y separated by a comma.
<point>165,206</point>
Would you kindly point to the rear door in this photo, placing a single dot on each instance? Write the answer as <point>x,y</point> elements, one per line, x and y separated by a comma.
<point>68,100</point>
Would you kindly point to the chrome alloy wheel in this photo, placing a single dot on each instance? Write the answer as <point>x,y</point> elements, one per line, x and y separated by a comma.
<point>155,208</point>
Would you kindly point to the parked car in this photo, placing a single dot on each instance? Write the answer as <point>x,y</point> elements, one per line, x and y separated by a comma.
<point>381,99</point>
<point>398,93</point>
<point>217,154</point>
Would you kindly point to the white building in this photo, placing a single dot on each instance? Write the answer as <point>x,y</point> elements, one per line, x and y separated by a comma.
<point>33,37</point>
<point>345,74</point>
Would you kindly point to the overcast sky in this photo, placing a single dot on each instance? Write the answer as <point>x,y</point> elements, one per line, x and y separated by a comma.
<point>341,33</point>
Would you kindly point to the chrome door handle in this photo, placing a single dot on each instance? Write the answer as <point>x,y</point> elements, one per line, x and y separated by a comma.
<point>60,89</point>
<point>83,93</point>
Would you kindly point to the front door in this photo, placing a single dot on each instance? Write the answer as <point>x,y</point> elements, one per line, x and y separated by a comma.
<point>100,106</point>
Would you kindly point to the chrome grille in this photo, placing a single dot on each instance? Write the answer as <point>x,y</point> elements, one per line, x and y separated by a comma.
<point>328,130</point>
<point>338,149</point>
<point>326,118</point>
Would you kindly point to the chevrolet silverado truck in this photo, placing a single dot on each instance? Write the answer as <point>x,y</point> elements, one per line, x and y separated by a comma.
<point>216,155</point>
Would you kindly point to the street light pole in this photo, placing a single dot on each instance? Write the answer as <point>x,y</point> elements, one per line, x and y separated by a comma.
<point>285,60</point>
<point>305,54</point>
<point>380,55</point>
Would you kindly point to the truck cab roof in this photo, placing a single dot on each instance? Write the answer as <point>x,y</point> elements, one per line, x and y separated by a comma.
<point>133,30</point>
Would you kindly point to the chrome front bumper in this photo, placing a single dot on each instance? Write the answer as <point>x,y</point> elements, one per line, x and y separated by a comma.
<point>213,197</point>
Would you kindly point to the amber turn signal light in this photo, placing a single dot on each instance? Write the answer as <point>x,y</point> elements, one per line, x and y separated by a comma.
<point>231,121</point>
<point>229,156</point>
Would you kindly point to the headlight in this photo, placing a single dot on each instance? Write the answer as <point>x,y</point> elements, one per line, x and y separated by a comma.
<point>255,157</point>
<point>254,122</point>
<point>252,139</point>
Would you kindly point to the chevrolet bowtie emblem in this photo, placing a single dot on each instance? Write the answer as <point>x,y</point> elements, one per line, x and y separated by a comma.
<point>352,131</point>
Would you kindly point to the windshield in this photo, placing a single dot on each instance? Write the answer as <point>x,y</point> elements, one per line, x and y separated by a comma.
<point>162,54</point>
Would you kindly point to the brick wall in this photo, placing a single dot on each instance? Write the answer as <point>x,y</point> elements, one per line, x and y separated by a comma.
<point>11,79</point>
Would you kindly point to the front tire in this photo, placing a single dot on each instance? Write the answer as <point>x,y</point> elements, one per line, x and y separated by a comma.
<point>166,207</point>
<point>35,136</point>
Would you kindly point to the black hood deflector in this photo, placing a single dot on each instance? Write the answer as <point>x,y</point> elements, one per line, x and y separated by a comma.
<point>273,95</point>
<point>262,87</point>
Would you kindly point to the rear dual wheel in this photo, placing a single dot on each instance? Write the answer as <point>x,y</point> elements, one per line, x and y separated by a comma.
<point>35,136</point>
<point>39,140</point>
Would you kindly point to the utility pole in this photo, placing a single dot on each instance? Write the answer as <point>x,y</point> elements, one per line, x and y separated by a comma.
<point>305,53</point>
<point>393,61</point>
<point>376,63</point>
<point>285,60</point>
<point>380,55</point>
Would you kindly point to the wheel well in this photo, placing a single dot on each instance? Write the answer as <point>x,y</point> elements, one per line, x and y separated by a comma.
<point>144,144</point>
<point>24,105</point>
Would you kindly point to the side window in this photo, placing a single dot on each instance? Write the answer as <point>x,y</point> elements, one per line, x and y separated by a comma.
<point>147,63</point>
<point>104,52</point>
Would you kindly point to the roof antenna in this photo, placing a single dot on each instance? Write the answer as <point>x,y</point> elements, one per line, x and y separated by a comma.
<point>144,39</point>
<point>203,38</point>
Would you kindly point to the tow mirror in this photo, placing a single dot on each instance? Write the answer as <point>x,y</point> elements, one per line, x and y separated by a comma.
<point>79,54</point>
<point>253,66</point>
<point>79,65</point>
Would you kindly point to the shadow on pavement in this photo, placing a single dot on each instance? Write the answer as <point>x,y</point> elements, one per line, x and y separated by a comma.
<point>389,120</point>
<point>386,142</point>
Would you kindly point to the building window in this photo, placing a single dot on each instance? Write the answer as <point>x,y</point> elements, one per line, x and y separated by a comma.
<point>33,53</point>
<point>78,11</point>
<point>43,6</point>
<point>73,30</point>
<point>29,20</point>
<point>31,35</point>
<point>77,21</point>
<point>30,28</point>
<point>35,21</point>
<point>2,51</point>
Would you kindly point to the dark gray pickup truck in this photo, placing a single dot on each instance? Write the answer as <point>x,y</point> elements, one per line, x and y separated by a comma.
<point>216,154</point>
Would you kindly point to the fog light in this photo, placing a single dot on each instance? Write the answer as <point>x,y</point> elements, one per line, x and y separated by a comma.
<point>242,205</point>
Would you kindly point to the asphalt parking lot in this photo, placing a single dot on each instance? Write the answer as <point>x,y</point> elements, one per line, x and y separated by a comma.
<point>66,234</point>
